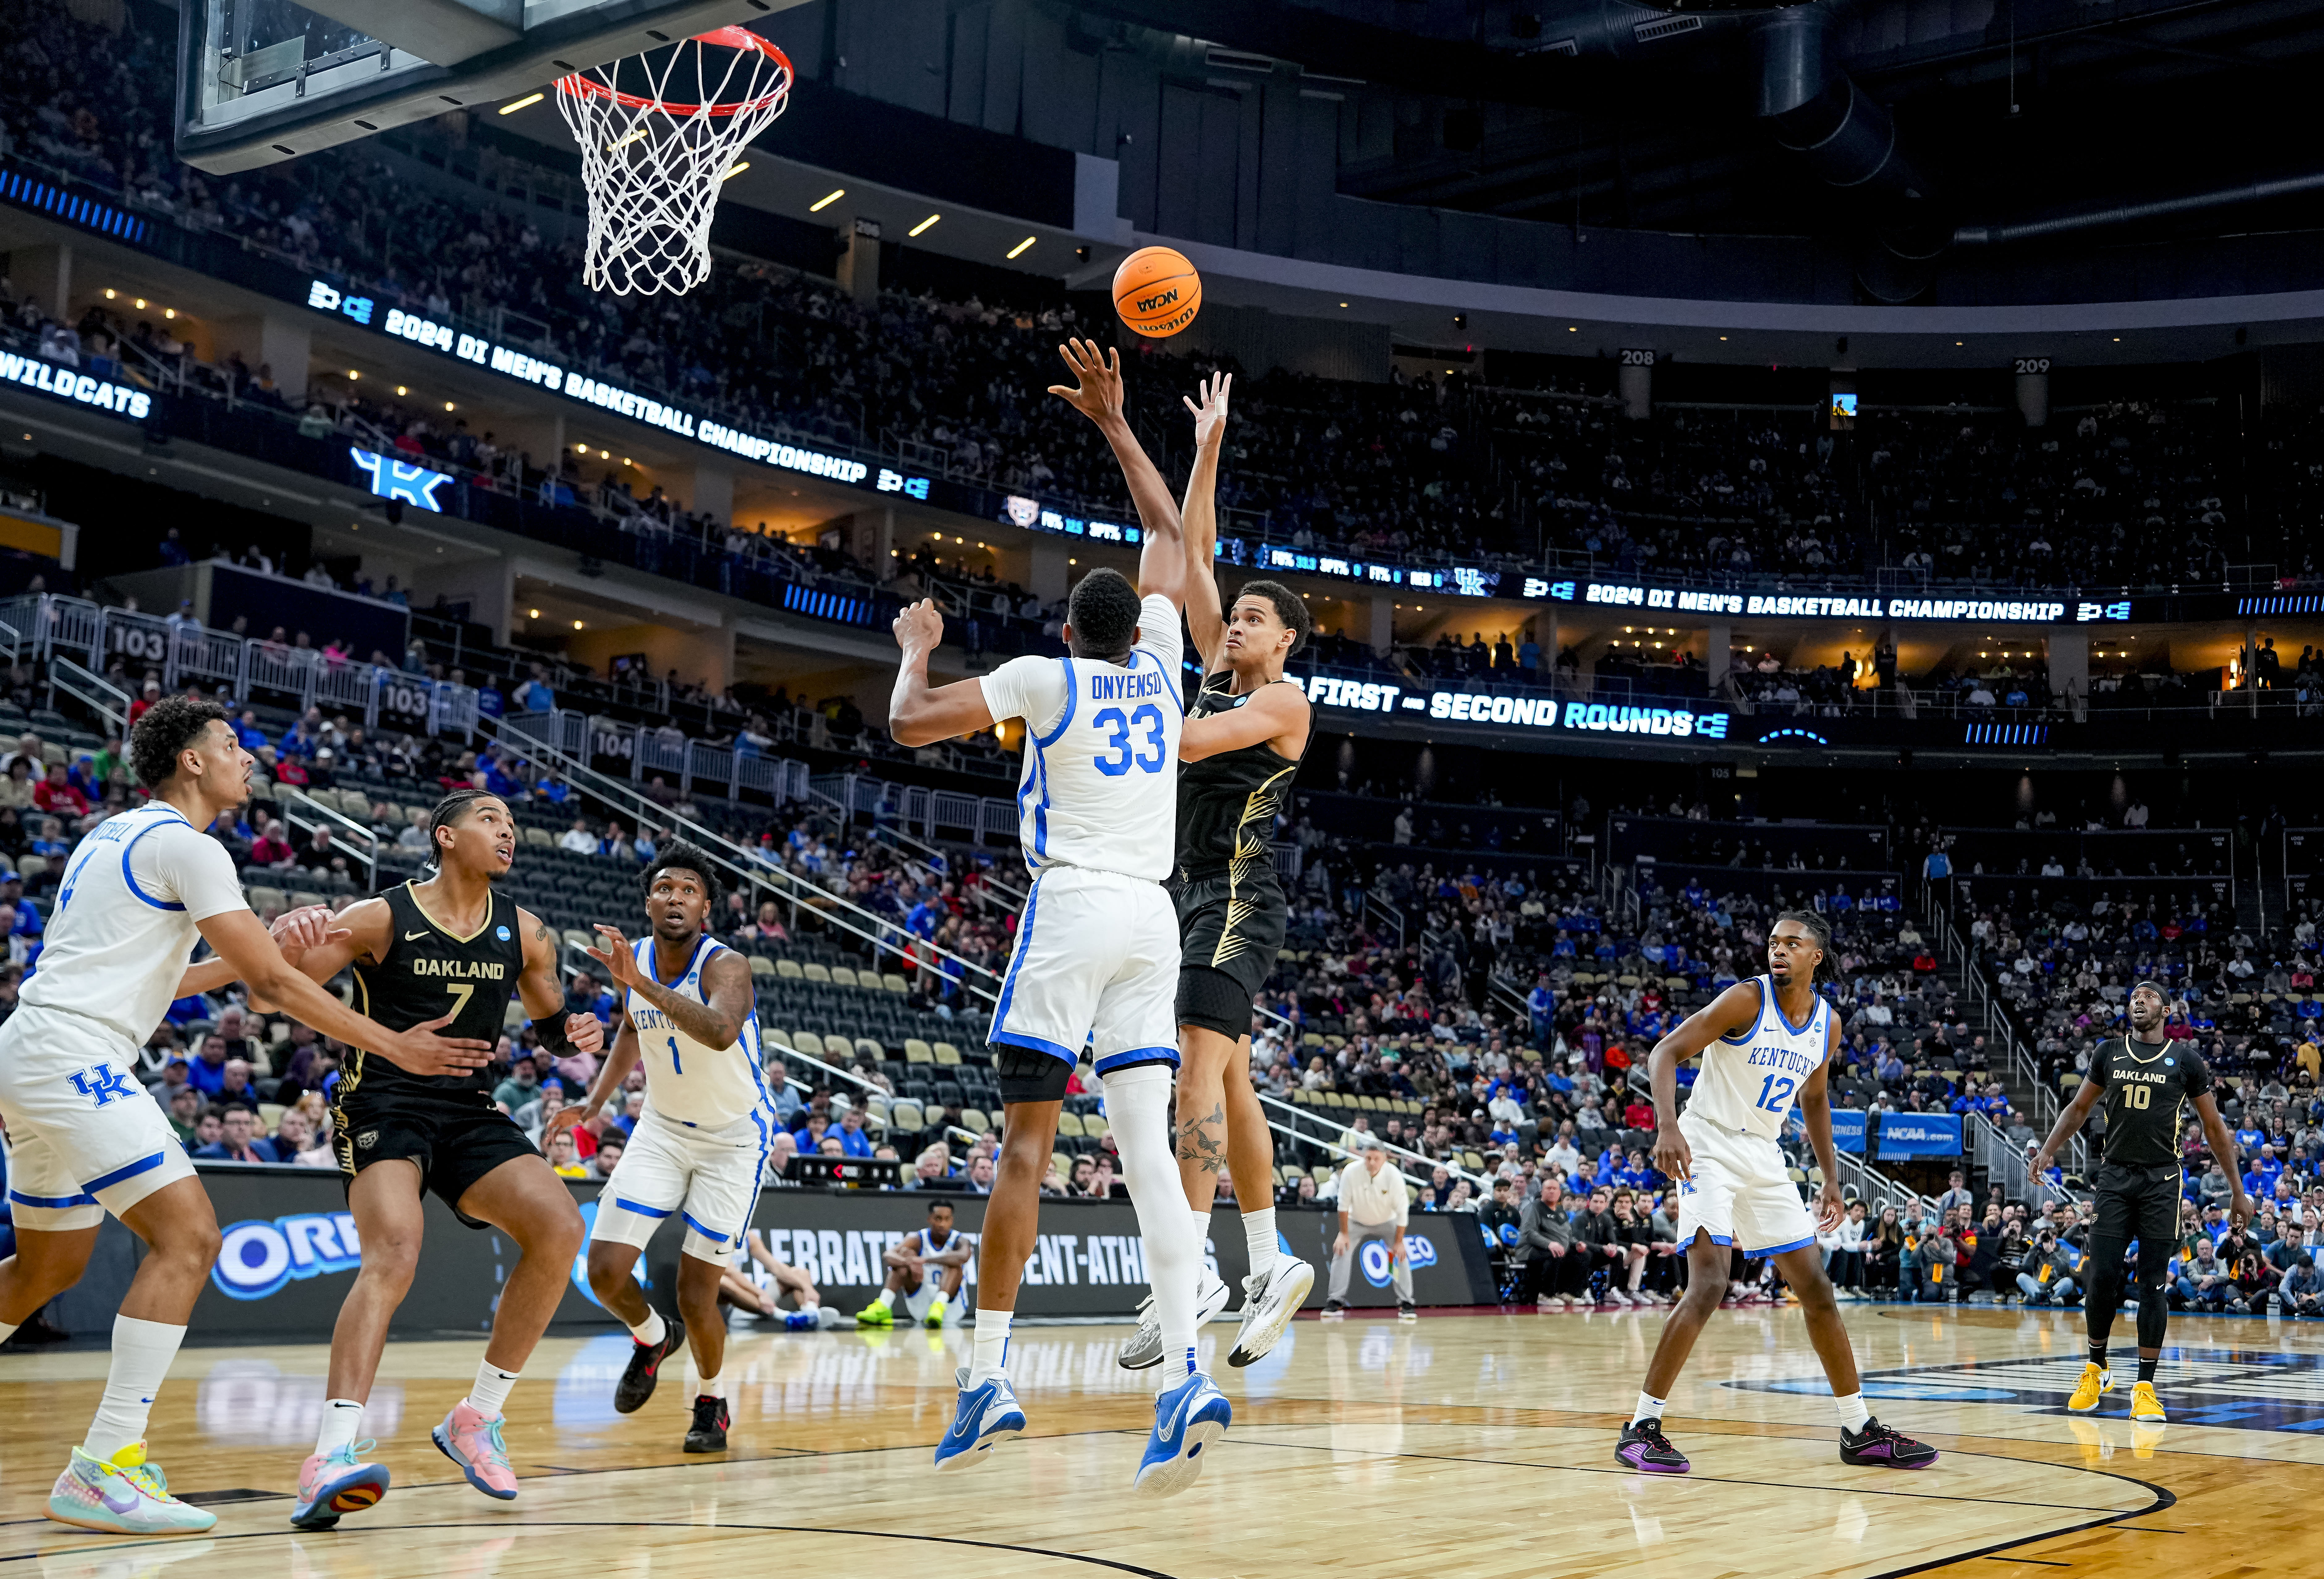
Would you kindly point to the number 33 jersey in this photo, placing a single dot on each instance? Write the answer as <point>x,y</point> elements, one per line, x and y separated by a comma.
<point>1748,1080</point>
<point>1099,785</point>
<point>430,971</point>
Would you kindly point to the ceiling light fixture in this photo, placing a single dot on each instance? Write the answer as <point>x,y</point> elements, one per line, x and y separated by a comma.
<point>823,203</point>
<point>1020,249</point>
<point>924,224</point>
<point>526,103</point>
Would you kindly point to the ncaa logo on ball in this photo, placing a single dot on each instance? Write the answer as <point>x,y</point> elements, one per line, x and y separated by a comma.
<point>1374,1259</point>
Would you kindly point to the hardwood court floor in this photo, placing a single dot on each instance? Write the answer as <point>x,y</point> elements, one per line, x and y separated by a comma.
<point>1474,1445</point>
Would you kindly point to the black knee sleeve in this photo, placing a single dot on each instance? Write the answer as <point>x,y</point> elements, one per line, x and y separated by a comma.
<point>1213,1001</point>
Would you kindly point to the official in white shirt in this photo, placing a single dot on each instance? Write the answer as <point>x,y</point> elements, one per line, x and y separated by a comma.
<point>1373,1205</point>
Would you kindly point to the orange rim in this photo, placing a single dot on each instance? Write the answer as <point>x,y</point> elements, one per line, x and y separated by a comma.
<point>729,38</point>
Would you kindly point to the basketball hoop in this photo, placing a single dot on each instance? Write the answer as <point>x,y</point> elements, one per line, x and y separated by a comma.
<point>654,162</point>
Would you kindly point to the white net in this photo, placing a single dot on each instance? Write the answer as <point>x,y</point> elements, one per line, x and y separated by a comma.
<point>659,135</point>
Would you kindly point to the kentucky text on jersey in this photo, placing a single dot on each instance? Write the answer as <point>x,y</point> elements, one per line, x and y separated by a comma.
<point>1783,1058</point>
<point>1104,687</point>
<point>646,1017</point>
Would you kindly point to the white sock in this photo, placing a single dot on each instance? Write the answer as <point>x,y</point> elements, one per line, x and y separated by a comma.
<point>989,1358</point>
<point>342,1424</point>
<point>1259,1236</point>
<point>652,1330</point>
<point>1852,1410</point>
<point>142,1352</point>
<point>888,1298</point>
<point>1136,1100</point>
<point>711,1386</point>
<point>1650,1407</point>
<point>488,1394</point>
<point>1202,1236</point>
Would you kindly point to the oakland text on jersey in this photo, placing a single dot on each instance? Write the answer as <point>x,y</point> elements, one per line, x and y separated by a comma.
<point>1123,687</point>
<point>480,969</point>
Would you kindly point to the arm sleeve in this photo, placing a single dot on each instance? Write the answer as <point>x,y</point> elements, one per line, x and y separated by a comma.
<point>191,870</point>
<point>1030,688</point>
<point>1160,633</point>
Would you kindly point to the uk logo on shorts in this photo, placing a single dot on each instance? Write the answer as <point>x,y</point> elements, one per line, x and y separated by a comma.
<point>101,1083</point>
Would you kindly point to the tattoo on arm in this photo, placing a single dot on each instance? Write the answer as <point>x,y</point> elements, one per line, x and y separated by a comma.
<point>1203,1141</point>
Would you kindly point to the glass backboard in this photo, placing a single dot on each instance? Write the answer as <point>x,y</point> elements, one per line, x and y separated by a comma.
<point>263,81</point>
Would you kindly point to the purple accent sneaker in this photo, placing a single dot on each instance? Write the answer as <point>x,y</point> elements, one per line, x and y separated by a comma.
<point>1883,1449</point>
<point>1644,1449</point>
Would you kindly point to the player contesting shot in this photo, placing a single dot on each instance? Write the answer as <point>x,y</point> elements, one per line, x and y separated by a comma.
<point>2146,1080</point>
<point>420,950</point>
<point>700,1148</point>
<point>86,1139</point>
<point>1765,1043</point>
<point>1096,958</point>
<point>1245,734</point>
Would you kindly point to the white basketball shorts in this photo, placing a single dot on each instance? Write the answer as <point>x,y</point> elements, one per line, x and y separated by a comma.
<point>85,1138</point>
<point>1741,1193</point>
<point>1096,963</point>
<point>709,1177</point>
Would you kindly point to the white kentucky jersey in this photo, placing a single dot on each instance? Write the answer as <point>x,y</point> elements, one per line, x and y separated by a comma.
<point>1748,1080</point>
<point>124,923</point>
<point>1099,785</point>
<point>687,1082</point>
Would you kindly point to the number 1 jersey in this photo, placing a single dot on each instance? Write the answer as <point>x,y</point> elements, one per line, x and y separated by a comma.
<point>1100,784</point>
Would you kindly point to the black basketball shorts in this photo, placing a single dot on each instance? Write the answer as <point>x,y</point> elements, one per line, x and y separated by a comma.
<point>454,1137</point>
<point>2139,1203</point>
<point>1229,933</point>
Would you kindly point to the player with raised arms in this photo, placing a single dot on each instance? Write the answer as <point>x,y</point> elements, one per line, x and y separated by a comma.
<point>1096,958</point>
<point>1246,732</point>
<point>85,1138</point>
<point>2146,1080</point>
<point>424,950</point>
<point>699,1148</point>
<point>1765,1043</point>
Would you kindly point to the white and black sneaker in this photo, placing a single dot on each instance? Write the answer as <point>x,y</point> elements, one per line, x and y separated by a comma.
<point>1142,1349</point>
<point>1268,1304</point>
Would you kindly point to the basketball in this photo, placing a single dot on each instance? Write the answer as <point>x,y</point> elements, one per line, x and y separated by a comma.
<point>1157,291</point>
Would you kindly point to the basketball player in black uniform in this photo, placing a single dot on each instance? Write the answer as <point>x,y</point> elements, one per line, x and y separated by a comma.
<point>1247,729</point>
<point>445,944</point>
<point>2146,1082</point>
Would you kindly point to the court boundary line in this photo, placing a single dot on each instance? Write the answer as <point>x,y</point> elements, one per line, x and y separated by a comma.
<point>1732,1480</point>
<point>512,1528</point>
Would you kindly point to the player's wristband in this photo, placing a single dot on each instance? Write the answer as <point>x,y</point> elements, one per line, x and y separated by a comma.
<point>552,1035</point>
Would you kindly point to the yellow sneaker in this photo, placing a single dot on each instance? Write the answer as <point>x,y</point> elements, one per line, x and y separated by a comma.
<point>935,1317</point>
<point>875,1315</point>
<point>2095,1381</point>
<point>2144,1406</point>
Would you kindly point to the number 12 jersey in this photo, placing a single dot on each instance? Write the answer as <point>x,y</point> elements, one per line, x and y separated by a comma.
<point>1099,785</point>
<point>1748,1080</point>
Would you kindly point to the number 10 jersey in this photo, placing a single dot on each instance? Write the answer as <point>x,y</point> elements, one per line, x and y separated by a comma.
<point>1099,785</point>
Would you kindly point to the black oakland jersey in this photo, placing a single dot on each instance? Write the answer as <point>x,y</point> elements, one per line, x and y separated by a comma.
<point>1227,803</point>
<point>430,972</point>
<point>2146,1087</point>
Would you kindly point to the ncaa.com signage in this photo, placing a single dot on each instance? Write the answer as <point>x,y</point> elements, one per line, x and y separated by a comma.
<point>1675,721</point>
<point>1920,1135</point>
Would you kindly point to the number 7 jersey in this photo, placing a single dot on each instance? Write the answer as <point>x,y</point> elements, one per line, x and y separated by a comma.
<point>1099,785</point>
<point>1748,1080</point>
